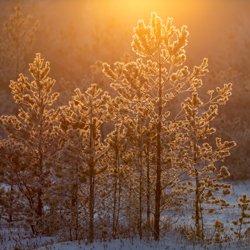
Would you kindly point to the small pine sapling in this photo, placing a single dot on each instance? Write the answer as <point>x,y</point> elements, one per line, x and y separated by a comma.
<point>117,173</point>
<point>219,228</point>
<point>200,157</point>
<point>80,121</point>
<point>243,204</point>
<point>31,140</point>
<point>141,136</point>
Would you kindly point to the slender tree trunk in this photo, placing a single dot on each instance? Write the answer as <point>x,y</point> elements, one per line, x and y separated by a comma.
<point>91,181</point>
<point>202,223</point>
<point>140,201</point>
<point>119,200</point>
<point>148,191</point>
<point>40,204</point>
<point>91,204</point>
<point>197,216</point>
<point>76,205</point>
<point>240,231</point>
<point>70,234</point>
<point>17,72</point>
<point>102,132</point>
<point>40,166</point>
<point>11,204</point>
<point>130,206</point>
<point>158,189</point>
<point>39,210</point>
<point>139,148</point>
<point>115,198</point>
<point>158,168</point>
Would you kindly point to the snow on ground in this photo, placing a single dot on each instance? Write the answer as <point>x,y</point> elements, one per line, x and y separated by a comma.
<point>137,244</point>
<point>170,241</point>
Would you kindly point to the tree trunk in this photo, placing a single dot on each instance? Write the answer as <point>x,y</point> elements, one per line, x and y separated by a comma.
<point>158,190</point>
<point>91,204</point>
<point>158,168</point>
<point>140,203</point>
<point>91,180</point>
<point>119,201</point>
<point>140,169</point>
<point>202,223</point>
<point>40,152</point>
<point>11,204</point>
<point>76,205</point>
<point>148,192</point>
<point>114,200</point>
<point>197,216</point>
<point>39,211</point>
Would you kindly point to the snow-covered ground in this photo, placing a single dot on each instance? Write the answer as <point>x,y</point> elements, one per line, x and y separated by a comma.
<point>175,240</point>
<point>136,244</point>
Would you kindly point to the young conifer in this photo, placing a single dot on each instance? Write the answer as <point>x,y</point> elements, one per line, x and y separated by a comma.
<point>219,228</point>
<point>118,173</point>
<point>10,202</point>
<point>244,206</point>
<point>156,82</point>
<point>140,134</point>
<point>31,140</point>
<point>68,184</point>
<point>200,157</point>
<point>82,120</point>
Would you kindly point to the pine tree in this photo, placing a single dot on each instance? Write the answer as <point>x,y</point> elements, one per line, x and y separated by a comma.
<point>219,228</point>
<point>10,202</point>
<point>244,206</point>
<point>82,119</point>
<point>156,83</point>
<point>139,132</point>
<point>31,139</point>
<point>120,198</point>
<point>134,134</point>
<point>132,98</point>
<point>117,146</point>
<point>200,156</point>
<point>69,181</point>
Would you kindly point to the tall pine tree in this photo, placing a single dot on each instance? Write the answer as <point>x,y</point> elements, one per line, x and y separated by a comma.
<point>163,47</point>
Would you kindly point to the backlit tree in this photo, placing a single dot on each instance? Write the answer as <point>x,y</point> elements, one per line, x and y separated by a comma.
<point>201,158</point>
<point>163,47</point>
<point>82,119</point>
<point>31,139</point>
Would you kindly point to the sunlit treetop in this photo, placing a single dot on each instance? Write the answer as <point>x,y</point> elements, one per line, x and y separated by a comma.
<point>163,46</point>
<point>147,39</point>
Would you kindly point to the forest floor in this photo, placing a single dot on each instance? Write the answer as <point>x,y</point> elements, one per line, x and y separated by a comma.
<point>171,240</point>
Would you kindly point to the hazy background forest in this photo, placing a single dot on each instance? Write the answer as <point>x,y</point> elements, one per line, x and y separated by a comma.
<point>77,36</point>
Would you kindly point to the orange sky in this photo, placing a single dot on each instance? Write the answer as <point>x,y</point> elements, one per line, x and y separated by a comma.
<point>207,20</point>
